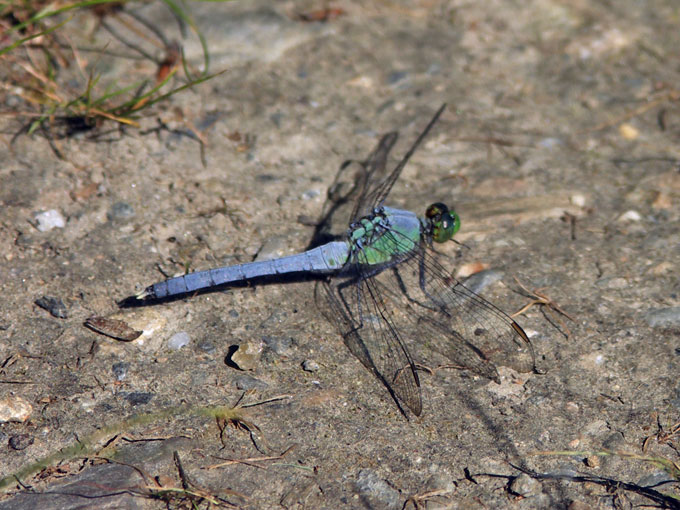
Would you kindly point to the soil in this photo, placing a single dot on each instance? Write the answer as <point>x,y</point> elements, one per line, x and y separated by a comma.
<point>559,150</point>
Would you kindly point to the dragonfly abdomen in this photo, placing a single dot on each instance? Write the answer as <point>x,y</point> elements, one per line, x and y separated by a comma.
<point>328,258</point>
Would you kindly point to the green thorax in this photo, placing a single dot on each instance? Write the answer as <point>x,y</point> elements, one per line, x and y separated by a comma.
<point>394,233</point>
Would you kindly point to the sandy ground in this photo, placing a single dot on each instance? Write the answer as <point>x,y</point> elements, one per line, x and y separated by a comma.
<point>559,149</point>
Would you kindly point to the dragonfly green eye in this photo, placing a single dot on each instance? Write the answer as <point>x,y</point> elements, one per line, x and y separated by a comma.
<point>444,223</point>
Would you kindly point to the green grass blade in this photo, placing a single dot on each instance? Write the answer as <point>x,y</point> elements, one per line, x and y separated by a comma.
<point>181,14</point>
<point>15,44</point>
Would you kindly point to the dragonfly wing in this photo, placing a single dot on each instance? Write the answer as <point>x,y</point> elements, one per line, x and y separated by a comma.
<point>360,187</point>
<point>372,332</point>
<point>375,171</point>
<point>460,324</point>
<point>347,195</point>
<point>378,189</point>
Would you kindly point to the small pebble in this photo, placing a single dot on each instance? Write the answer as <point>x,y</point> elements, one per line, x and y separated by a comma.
<point>49,219</point>
<point>120,370</point>
<point>663,317</point>
<point>656,479</point>
<point>578,200</point>
<point>524,485</point>
<point>375,491</point>
<point>593,461</point>
<point>549,142</point>
<point>274,247</point>
<point>467,270</point>
<point>312,193</point>
<point>207,347</point>
<point>20,442</point>
<point>628,131</point>
<point>246,382</point>
<point>136,398</point>
<point>13,408</point>
<point>396,76</point>
<point>178,340</point>
<point>120,211</point>
<point>310,365</point>
<point>247,355</point>
<point>479,281</point>
<point>571,407</point>
<point>280,345</point>
<point>55,306</point>
<point>630,216</point>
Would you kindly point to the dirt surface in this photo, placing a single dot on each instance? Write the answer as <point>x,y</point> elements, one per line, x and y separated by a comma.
<point>559,149</point>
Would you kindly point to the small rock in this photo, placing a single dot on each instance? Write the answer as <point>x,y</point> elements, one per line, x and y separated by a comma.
<point>120,211</point>
<point>628,131</point>
<point>440,483</point>
<point>663,317</point>
<point>280,345</point>
<point>396,76</point>
<point>479,281</point>
<point>594,428</point>
<point>207,347</point>
<point>311,194</point>
<point>20,441</point>
<point>48,220</point>
<point>136,398</point>
<point>13,408</point>
<point>246,382</point>
<point>120,370</point>
<point>467,270</point>
<point>55,306</point>
<point>375,491</point>
<point>178,340</point>
<point>630,216</point>
<point>549,142</point>
<point>246,355</point>
<point>310,365</point>
<point>274,247</point>
<point>656,479</point>
<point>593,461</point>
<point>571,407</point>
<point>578,199</point>
<point>524,485</point>
<point>106,484</point>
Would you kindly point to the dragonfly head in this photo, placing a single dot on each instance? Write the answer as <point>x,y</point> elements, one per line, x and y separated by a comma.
<point>444,223</point>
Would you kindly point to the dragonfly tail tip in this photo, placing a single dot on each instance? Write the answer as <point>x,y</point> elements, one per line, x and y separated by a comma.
<point>137,300</point>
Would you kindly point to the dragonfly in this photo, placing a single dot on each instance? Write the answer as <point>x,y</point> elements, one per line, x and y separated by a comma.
<point>382,284</point>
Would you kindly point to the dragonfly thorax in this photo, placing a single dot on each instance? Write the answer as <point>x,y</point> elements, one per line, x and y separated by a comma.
<point>442,222</point>
<point>384,236</point>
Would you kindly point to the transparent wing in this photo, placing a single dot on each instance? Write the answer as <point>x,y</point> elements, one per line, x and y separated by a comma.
<point>349,189</point>
<point>361,186</point>
<point>455,321</point>
<point>372,330</point>
<point>376,173</point>
<point>378,188</point>
<point>382,312</point>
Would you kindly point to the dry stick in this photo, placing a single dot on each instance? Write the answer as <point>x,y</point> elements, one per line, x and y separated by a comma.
<point>540,299</point>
